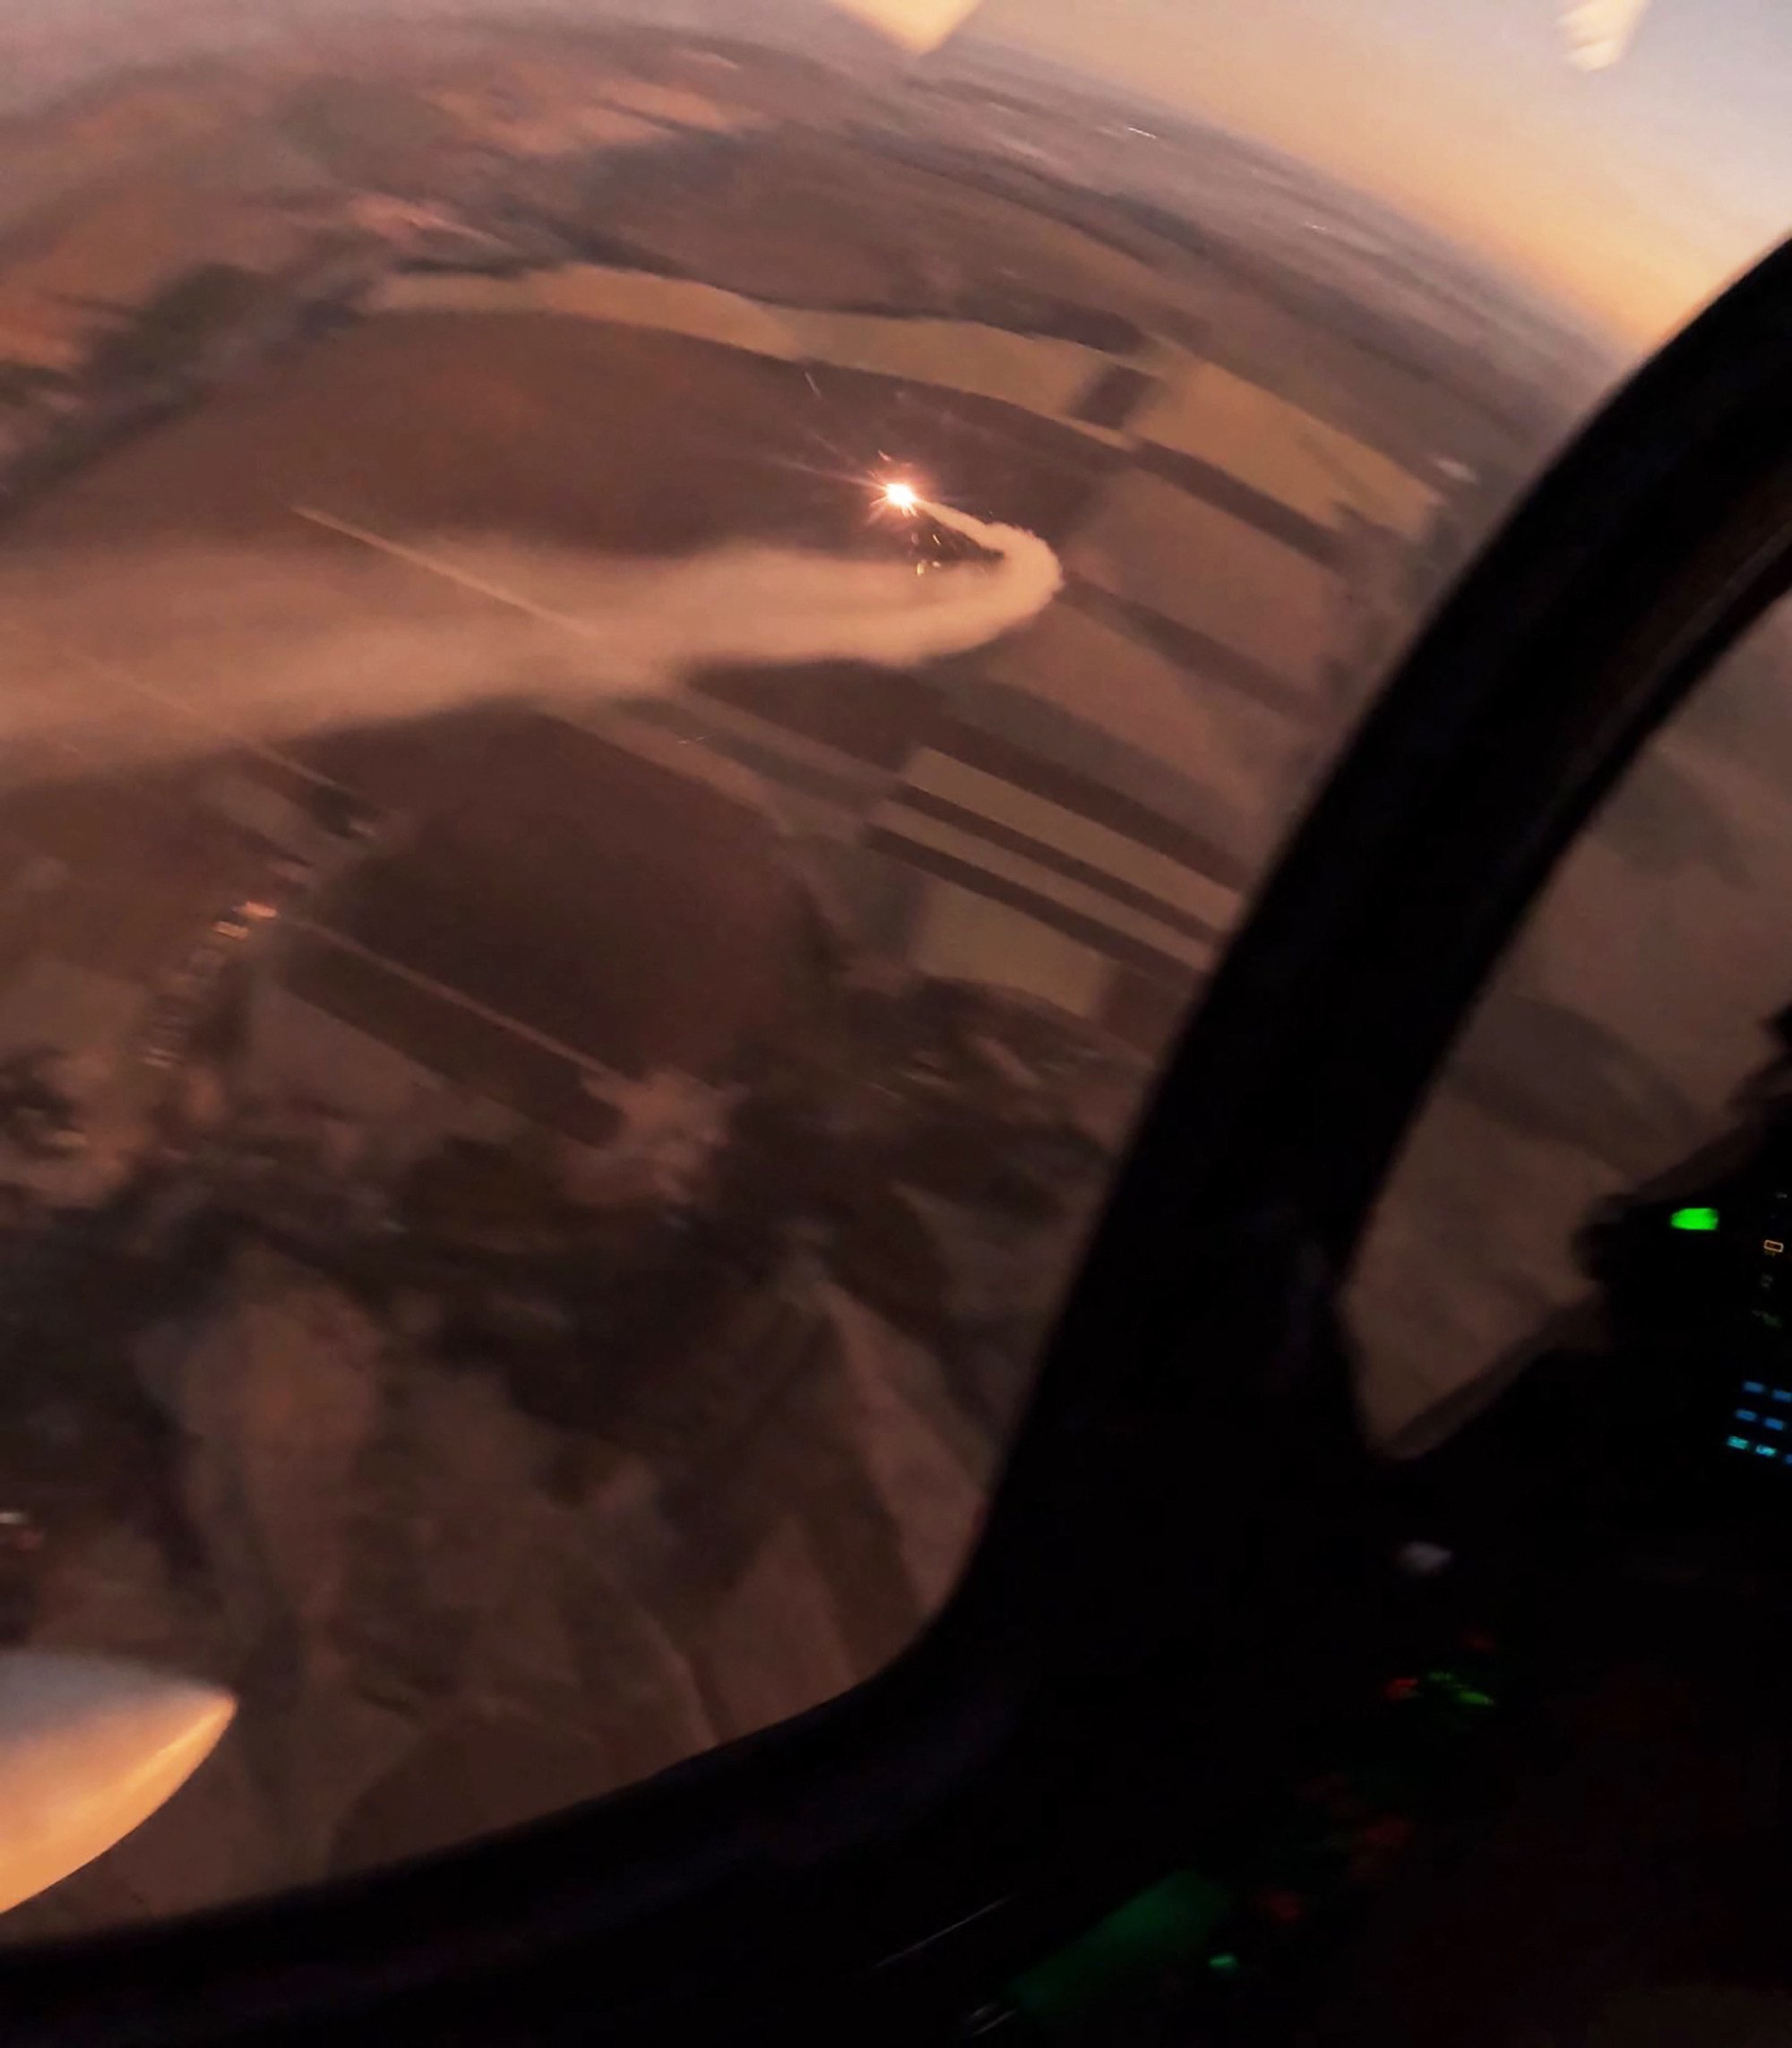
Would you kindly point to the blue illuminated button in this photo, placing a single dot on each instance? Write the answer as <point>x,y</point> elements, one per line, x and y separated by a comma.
<point>1754,1385</point>
<point>1746,1415</point>
<point>1763,1451</point>
<point>1782,1393</point>
<point>1742,1444</point>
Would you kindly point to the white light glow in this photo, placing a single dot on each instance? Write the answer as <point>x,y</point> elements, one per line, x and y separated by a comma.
<point>917,24</point>
<point>1599,31</point>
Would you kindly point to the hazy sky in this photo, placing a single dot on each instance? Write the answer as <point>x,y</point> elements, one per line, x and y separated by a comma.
<point>1631,194</point>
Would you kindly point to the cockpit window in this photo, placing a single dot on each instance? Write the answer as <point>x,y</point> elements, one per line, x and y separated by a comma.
<point>1631,1028</point>
<point>644,671</point>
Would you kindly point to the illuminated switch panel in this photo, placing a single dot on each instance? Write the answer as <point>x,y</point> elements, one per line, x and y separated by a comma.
<point>1730,1276</point>
<point>1761,1424</point>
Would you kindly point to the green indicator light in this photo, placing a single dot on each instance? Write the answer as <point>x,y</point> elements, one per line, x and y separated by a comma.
<point>1694,1219</point>
<point>1119,1958</point>
<point>1468,1697</point>
<point>1223,1966</point>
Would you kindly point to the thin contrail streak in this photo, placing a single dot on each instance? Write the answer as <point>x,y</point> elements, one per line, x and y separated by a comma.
<point>432,565</point>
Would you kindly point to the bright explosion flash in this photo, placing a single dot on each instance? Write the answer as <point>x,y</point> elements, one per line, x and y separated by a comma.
<point>902,497</point>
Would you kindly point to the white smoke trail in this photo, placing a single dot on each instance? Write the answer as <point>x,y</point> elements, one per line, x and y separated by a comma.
<point>656,620</point>
<point>149,652</point>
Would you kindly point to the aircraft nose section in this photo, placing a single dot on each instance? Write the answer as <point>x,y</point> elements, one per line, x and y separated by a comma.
<point>89,1747</point>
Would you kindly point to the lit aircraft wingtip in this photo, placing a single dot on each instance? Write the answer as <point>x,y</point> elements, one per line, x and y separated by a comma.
<point>1599,31</point>
<point>89,1747</point>
<point>919,25</point>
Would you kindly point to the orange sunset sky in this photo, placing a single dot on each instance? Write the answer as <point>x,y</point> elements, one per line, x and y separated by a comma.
<point>1631,194</point>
